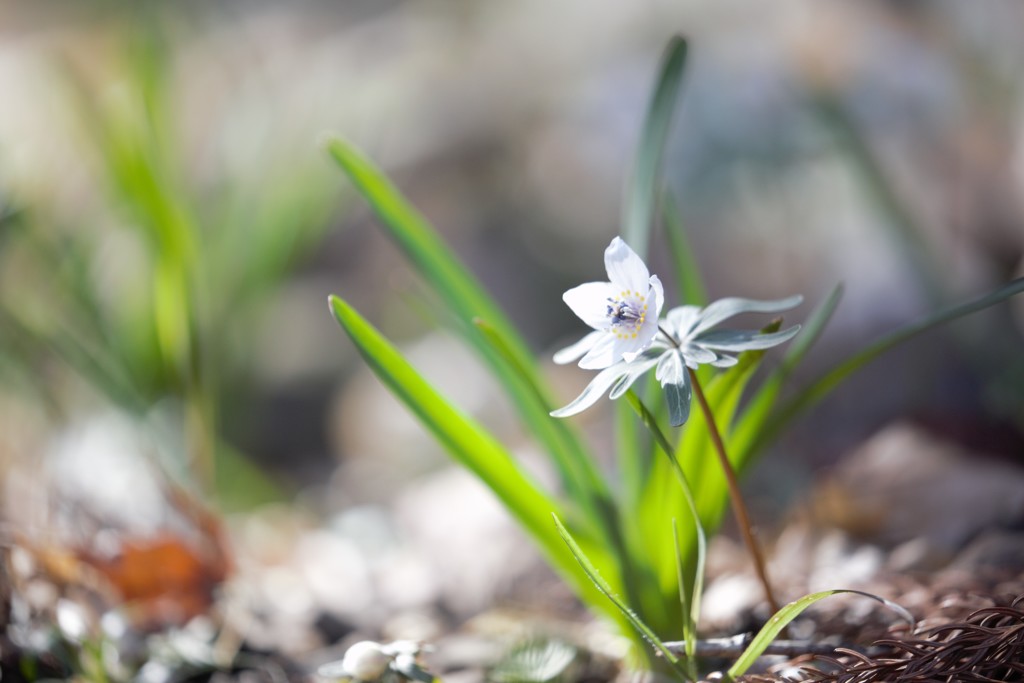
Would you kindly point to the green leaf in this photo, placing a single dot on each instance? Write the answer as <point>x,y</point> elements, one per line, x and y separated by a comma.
<point>467,442</point>
<point>643,187</point>
<point>788,613</point>
<point>686,564</point>
<point>904,226</point>
<point>689,598</point>
<point>824,385</point>
<point>689,569</point>
<point>591,571</point>
<point>598,506</point>
<point>512,362</point>
<point>689,281</point>
<point>663,499</point>
<point>811,331</point>
<point>746,434</point>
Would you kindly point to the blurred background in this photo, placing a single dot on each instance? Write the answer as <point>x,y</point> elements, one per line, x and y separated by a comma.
<point>170,228</point>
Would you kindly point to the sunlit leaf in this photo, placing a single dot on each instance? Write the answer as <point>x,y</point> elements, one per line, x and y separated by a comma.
<point>643,188</point>
<point>463,293</point>
<point>602,585</point>
<point>687,269</point>
<point>788,613</point>
<point>826,383</point>
<point>467,442</point>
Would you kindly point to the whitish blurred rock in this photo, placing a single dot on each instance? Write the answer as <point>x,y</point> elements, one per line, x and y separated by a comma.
<point>727,597</point>
<point>102,464</point>
<point>467,538</point>
<point>384,445</point>
<point>999,550</point>
<point>905,483</point>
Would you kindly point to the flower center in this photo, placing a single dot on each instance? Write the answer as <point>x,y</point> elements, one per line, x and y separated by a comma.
<point>627,313</point>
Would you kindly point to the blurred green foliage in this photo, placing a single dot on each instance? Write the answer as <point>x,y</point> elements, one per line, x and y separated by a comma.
<point>158,293</point>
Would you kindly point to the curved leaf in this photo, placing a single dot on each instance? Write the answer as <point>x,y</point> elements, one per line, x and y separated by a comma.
<point>469,443</point>
<point>643,187</point>
<point>511,361</point>
<point>788,613</point>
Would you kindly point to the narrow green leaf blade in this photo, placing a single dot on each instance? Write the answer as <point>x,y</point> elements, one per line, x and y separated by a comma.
<point>423,247</point>
<point>662,498</point>
<point>643,188</point>
<point>682,560</point>
<point>824,385</point>
<point>468,300</point>
<point>689,600</point>
<point>811,330</point>
<point>689,281</point>
<point>466,441</point>
<point>747,434</point>
<point>788,613</point>
<point>596,503</point>
<point>591,571</point>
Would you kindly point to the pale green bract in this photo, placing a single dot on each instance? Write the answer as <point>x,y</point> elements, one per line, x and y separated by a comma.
<point>685,338</point>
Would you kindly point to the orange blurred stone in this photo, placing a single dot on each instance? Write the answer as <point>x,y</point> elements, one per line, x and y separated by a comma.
<point>162,579</point>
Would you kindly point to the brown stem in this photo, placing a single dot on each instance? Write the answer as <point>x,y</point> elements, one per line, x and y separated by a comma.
<point>739,508</point>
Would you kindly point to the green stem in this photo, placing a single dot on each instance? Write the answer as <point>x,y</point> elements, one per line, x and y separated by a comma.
<point>739,508</point>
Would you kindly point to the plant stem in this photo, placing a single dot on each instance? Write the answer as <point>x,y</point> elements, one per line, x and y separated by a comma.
<point>739,508</point>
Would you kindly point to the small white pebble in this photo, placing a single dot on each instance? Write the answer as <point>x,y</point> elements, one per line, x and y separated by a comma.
<point>365,661</point>
<point>72,620</point>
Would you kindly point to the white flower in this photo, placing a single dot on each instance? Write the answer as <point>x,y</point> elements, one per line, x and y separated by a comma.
<point>623,312</point>
<point>684,339</point>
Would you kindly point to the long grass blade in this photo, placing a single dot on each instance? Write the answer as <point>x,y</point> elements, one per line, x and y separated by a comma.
<point>468,300</point>
<point>467,442</point>
<point>661,497</point>
<point>682,560</point>
<point>788,613</point>
<point>598,505</point>
<point>689,280</point>
<point>643,188</point>
<point>747,430</point>
<point>687,599</point>
<point>591,571</point>
<point>825,384</point>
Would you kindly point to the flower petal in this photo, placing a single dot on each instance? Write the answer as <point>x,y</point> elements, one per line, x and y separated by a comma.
<point>695,355</point>
<point>724,361</point>
<point>575,351</point>
<point>637,368</point>
<point>589,302</point>
<point>658,295</point>
<point>744,340</point>
<point>605,353</point>
<point>728,307</point>
<point>625,269</point>
<point>596,389</point>
<point>680,320</point>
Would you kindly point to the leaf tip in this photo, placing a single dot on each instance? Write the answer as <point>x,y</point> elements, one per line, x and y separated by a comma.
<point>337,306</point>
